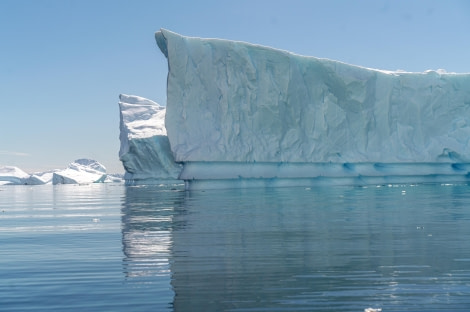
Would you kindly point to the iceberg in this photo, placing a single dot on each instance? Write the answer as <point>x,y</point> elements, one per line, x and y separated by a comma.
<point>114,178</point>
<point>145,150</point>
<point>12,175</point>
<point>81,171</point>
<point>45,176</point>
<point>252,115</point>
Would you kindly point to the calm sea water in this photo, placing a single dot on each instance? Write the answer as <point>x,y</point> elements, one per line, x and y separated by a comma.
<point>108,247</point>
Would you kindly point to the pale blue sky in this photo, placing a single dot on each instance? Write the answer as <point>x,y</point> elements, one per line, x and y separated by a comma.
<point>63,63</point>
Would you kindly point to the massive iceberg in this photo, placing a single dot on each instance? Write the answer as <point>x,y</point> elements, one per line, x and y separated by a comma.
<point>254,115</point>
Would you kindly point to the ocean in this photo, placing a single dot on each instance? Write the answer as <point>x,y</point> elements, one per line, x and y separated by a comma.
<point>111,247</point>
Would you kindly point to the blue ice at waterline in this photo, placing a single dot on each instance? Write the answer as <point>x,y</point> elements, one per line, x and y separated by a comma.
<point>243,115</point>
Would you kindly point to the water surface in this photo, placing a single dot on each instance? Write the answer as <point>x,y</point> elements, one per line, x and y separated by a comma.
<point>108,247</point>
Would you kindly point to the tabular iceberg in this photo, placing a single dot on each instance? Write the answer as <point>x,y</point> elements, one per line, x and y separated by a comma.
<point>253,115</point>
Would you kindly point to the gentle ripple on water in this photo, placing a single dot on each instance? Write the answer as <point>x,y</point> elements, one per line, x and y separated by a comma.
<point>108,247</point>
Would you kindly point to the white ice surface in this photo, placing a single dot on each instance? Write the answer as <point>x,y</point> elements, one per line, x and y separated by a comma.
<point>81,171</point>
<point>12,175</point>
<point>45,176</point>
<point>142,118</point>
<point>145,150</point>
<point>238,102</point>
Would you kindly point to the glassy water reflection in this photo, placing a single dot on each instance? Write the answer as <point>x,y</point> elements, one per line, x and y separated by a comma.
<point>117,248</point>
<point>339,249</point>
<point>147,226</point>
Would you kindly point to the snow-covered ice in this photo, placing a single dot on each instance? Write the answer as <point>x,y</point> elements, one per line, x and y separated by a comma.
<point>254,115</point>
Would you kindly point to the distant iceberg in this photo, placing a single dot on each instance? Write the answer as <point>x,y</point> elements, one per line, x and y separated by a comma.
<point>12,175</point>
<point>15,176</point>
<point>81,171</point>
<point>245,115</point>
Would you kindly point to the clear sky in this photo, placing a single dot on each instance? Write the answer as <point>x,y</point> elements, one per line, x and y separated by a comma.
<point>63,63</point>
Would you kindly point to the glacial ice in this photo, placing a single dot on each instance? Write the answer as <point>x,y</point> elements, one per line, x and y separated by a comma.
<point>145,150</point>
<point>12,175</point>
<point>237,102</point>
<point>254,115</point>
<point>81,171</point>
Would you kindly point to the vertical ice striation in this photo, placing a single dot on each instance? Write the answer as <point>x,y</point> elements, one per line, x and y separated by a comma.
<point>243,115</point>
<point>237,102</point>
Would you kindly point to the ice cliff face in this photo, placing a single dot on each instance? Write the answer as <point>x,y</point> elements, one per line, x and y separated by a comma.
<point>250,115</point>
<point>145,150</point>
<point>237,102</point>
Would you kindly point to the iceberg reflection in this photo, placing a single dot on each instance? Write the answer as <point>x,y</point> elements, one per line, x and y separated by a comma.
<point>311,249</point>
<point>147,225</point>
